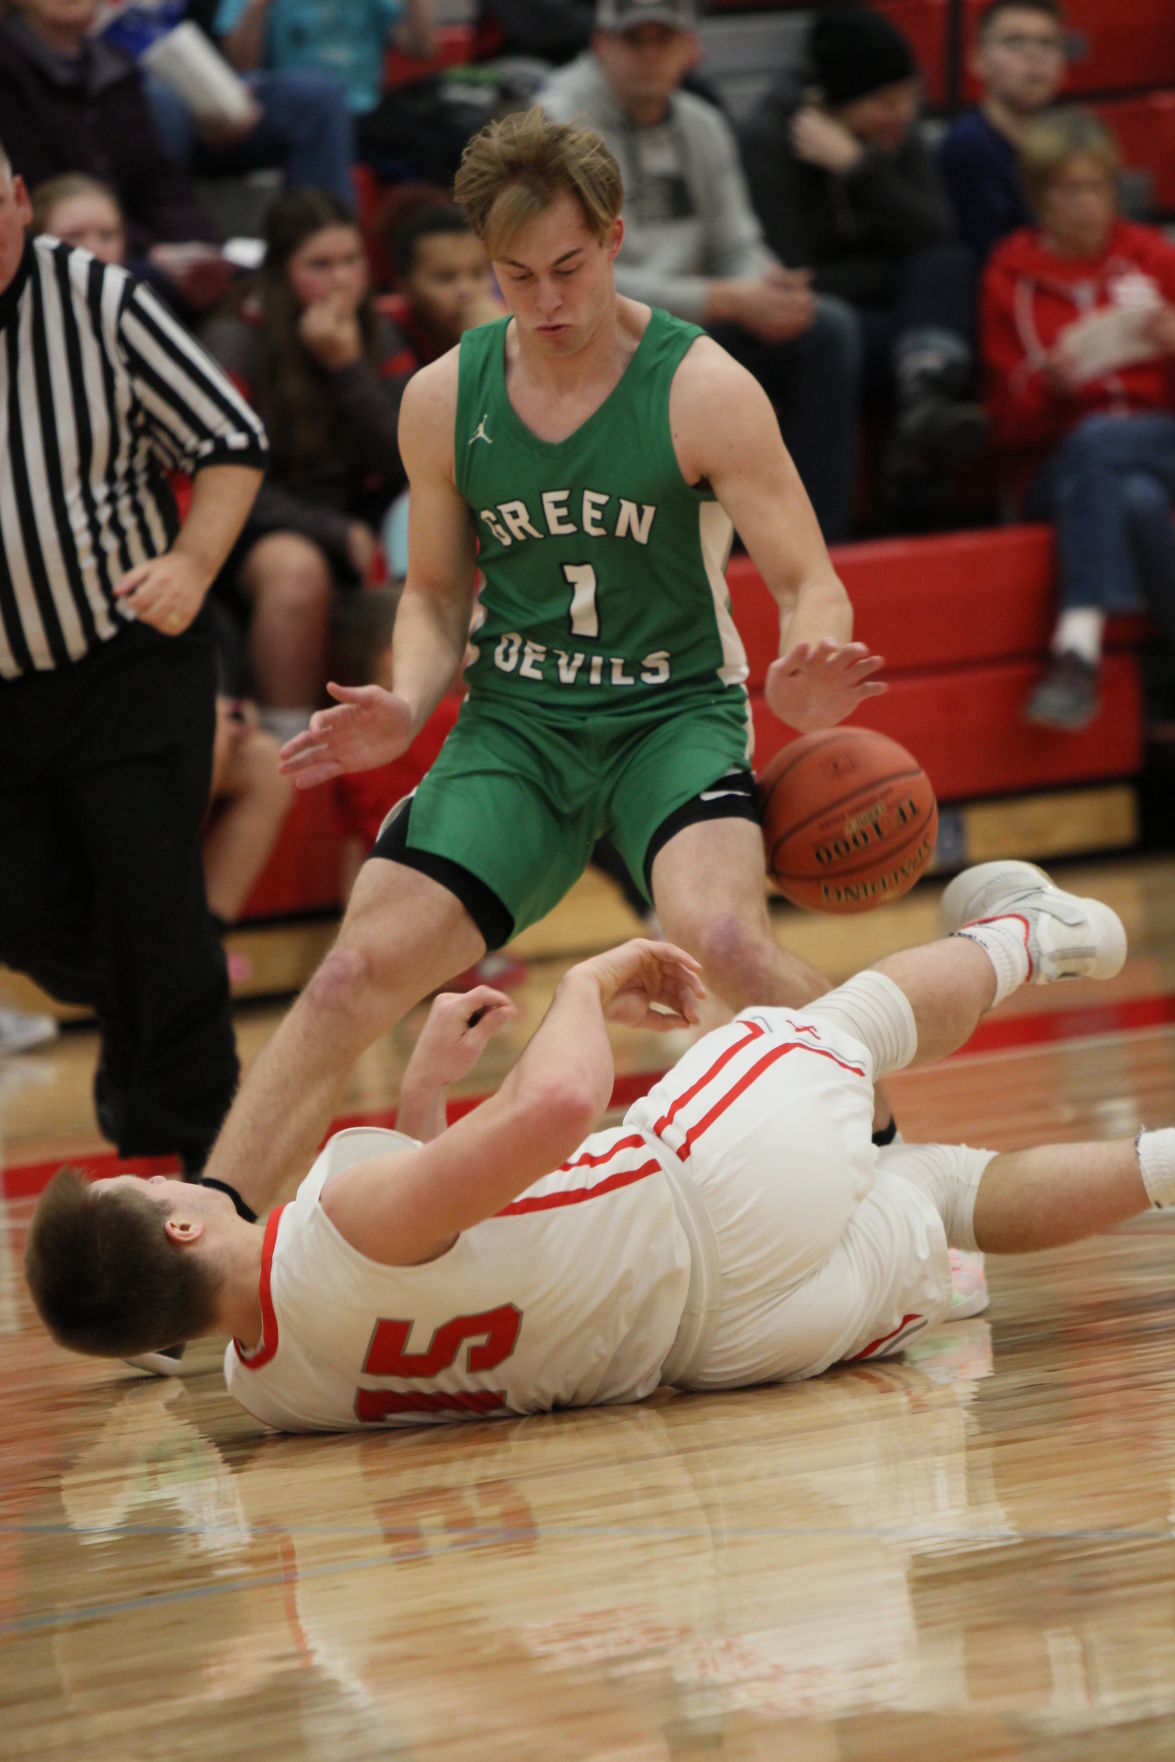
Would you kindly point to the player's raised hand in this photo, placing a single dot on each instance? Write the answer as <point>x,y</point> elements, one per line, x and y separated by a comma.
<point>458,1028</point>
<point>368,726</point>
<point>640,974</point>
<point>817,684</point>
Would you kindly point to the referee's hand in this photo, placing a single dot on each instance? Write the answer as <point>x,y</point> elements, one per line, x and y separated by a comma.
<point>165,593</point>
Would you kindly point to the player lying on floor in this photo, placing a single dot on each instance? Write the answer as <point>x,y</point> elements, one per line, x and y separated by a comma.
<point>738,1227</point>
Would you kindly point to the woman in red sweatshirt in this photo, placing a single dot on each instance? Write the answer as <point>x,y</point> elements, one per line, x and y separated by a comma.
<point>1078,333</point>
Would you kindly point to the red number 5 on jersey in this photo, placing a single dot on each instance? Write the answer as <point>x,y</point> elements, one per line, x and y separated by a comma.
<point>495,1332</point>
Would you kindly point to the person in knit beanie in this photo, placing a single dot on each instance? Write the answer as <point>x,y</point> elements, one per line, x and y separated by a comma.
<point>844,184</point>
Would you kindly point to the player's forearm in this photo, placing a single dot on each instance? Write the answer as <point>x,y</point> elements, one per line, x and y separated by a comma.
<point>819,610</point>
<point>428,648</point>
<point>421,1113</point>
<point>571,1048</point>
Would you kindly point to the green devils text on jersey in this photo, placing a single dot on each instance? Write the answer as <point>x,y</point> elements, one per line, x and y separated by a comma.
<point>604,570</point>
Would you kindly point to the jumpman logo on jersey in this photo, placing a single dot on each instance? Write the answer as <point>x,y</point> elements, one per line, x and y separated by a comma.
<point>480,433</point>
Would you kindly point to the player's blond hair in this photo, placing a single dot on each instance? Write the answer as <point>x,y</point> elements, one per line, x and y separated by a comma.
<point>103,1275</point>
<point>1053,138</point>
<point>514,169</point>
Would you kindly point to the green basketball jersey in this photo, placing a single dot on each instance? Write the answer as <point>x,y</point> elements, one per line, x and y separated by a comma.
<point>604,585</point>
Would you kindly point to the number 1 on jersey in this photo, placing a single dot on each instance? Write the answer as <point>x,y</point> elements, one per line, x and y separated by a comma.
<point>581,579</point>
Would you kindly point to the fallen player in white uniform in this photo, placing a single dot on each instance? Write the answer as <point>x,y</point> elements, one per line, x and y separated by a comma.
<point>738,1227</point>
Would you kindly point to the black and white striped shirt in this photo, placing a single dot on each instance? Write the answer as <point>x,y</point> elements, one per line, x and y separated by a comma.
<point>101,393</point>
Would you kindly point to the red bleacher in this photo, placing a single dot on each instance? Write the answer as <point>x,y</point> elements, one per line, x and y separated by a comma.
<point>963,621</point>
<point>1145,128</point>
<point>926,26</point>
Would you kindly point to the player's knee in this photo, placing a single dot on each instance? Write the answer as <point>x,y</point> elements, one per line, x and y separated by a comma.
<point>739,961</point>
<point>345,982</point>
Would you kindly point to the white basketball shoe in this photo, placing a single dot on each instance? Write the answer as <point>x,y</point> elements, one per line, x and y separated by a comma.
<point>1067,937</point>
<point>969,1293</point>
<point>166,1362</point>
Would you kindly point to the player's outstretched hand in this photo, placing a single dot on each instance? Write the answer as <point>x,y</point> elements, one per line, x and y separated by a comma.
<point>368,726</point>
<point>458,1028</point>
<point>647,984</point>
<point>817,684</point>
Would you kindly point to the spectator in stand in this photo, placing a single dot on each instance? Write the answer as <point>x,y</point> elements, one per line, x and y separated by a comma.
<point>1019,61</point>
<point>844,185</point>
<point>445,285</point>
<point>248,797</point>
<point>325,372</point>
<point>351,43</point>
<point>81,210</point>
<point>248,803</point>
<point>1078,320</point>
<point>299,125</point>
<point>443,276</point>
<point>518,36</point>
<point>71,104</point>
<point>692,243</point>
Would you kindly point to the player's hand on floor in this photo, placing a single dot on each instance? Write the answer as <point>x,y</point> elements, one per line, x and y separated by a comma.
<point>818,684</point>
<point>368,726</point>
<point>639,975</point>
<point>458,1029</point>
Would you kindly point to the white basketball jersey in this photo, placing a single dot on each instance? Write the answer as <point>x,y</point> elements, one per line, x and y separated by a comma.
<point>570,1296</point>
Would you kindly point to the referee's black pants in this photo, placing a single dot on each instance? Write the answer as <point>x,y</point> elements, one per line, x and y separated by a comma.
<point>104,774</point>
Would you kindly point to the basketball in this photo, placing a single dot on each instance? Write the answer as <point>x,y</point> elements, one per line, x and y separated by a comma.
<point>849,820</point>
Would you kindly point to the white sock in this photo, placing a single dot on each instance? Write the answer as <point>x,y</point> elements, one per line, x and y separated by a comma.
<point>1002,941</point>
<point>1079,632</point>
<point>1156,1159</point>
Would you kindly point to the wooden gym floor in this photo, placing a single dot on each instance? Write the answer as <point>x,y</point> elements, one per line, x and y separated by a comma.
<point>967,1553</point>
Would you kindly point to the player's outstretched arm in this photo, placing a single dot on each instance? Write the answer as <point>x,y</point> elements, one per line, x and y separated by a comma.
<point>411,1206</point>
<point>821,676</point>
<point>369,726</point>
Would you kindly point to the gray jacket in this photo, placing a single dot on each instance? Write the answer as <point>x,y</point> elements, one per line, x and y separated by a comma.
<point>687,217</point>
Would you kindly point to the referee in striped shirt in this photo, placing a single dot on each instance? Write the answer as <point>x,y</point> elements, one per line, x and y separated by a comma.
<point>107,672</point>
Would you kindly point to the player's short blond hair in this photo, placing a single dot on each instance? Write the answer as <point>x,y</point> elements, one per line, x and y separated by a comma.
<point>1055,137</point>
<point>514,169</point>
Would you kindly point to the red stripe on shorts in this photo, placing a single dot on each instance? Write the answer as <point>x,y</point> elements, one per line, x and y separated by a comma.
<point>754,1032</point>
<point>749,1077</point>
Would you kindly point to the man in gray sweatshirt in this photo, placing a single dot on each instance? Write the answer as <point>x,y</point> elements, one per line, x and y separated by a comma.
<point>693,245</point>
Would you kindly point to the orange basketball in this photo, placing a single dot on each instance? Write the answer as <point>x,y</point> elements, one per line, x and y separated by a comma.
<point>849,820</point>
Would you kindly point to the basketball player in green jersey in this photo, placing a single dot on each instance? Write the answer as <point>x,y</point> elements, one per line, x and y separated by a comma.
<point>590,455</point>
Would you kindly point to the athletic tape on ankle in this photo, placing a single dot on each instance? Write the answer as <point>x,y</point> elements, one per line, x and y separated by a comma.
<point>878,1014</point>
<point>1156,1160</point>
<point>1002,941</point>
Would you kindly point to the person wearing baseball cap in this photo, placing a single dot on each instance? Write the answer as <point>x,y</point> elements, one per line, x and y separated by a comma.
<point>842,180</point>
<point>693,246</point>
<point>625,15</point>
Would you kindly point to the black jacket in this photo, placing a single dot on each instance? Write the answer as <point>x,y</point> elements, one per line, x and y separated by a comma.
<point>854,231</point>
<point>95,119</point>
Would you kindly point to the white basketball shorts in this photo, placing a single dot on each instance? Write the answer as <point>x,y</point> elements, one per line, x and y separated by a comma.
<point>825,1252</point>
